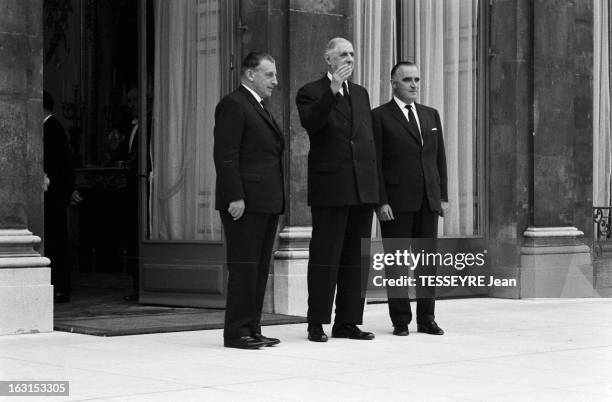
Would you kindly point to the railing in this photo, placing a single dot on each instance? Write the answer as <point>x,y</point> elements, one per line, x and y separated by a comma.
<point>602,230</point>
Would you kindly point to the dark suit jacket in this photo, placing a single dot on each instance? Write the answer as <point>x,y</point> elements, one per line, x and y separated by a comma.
<point>248,155</point>
<point>342,157</point>
<point>57,163</point>
<point>407,168</point>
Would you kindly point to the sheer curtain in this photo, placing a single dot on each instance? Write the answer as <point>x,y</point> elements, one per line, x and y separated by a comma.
<point>441,38</point>
<point>374,43</point>
<point>602,152</point>
<point>186,90</point>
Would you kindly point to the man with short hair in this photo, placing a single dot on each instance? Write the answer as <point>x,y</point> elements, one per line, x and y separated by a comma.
<point>342,192</point>
<point>57,165</point>
<point>249,196</point>
<point>413,191</point>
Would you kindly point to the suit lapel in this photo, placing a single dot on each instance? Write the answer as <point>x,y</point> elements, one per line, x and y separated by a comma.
<point>399,115</point>
<point>276,126</point>
<point>342,106</point>
<point>268,118</point>
<point>422,121</point>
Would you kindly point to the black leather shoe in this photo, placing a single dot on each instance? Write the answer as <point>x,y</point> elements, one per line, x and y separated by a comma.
<point>244,342</point>
<point>350,331</point>
<point>132,297</point>
<point>430,328</point>
<point>401,330</point>
<point>316,334</point>
<point>267,341</point>
<point>60,297</point>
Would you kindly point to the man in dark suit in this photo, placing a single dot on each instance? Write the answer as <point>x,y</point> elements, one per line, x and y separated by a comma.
<point>249,196</point>
<point>129,150</point>
<point>342,192</point>
<point>57,165</point>
<point>412,169</point>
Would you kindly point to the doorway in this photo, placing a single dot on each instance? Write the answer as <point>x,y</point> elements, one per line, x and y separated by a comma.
<point>90,69</point>
<point>166,246</point>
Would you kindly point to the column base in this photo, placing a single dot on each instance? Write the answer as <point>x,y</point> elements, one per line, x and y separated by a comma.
<point>26,293</point>
<point>290,271</point>
<point>556,263</point>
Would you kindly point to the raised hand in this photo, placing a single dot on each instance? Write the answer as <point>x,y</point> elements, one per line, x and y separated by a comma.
<point>340,75</point>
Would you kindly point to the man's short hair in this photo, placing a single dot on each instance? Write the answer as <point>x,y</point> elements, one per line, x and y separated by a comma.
<point>253,59</point>
<point>331,45</point>
<point>401,63</point>
<point>48,102</point>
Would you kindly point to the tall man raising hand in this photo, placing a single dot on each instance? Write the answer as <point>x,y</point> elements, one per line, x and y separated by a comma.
<point>342,191</point>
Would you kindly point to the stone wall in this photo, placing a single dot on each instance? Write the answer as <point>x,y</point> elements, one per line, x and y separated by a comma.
<point>26,296</point>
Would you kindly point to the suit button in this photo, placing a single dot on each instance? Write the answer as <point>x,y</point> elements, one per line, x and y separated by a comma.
<point>352,142</point>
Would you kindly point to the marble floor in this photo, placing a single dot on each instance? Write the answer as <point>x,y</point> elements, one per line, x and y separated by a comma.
<point>493,350</point>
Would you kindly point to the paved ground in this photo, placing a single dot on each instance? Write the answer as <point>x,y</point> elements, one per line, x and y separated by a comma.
<point>494,350</point>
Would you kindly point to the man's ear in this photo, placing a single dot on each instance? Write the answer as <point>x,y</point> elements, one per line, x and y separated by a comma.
<point>249,74</point>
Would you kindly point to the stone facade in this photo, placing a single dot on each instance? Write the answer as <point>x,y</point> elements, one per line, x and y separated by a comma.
<point>540,143</point>
<point>538,140</point>
<point>26,296</point>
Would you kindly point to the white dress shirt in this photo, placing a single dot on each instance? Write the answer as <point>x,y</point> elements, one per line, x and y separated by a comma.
<point>257,97</point>
<point>133,134</point>
<point>402,106</point>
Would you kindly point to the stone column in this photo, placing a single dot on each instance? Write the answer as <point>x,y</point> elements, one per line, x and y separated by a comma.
<point>540,146</point>
<point>295,32</point>
<point>508,137</point>
<point>26,296</point>
<point>555,261</point>
<point>311,26</point>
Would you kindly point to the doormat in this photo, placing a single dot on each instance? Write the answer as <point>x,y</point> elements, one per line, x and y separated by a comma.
<point>157,320</point>
<point>97,308</point>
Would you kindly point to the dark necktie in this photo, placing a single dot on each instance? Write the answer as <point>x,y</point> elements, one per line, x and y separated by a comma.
<point>412,122</point>
<point>345,89</point>
<point>266,110</point>
<point>344,102</point>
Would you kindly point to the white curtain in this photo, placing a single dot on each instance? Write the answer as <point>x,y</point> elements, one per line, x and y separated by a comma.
<point>602,152</point>
<point>440,36</point>
<point>186,90</point>
<point>375,47</point>
<point>375,53</point>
